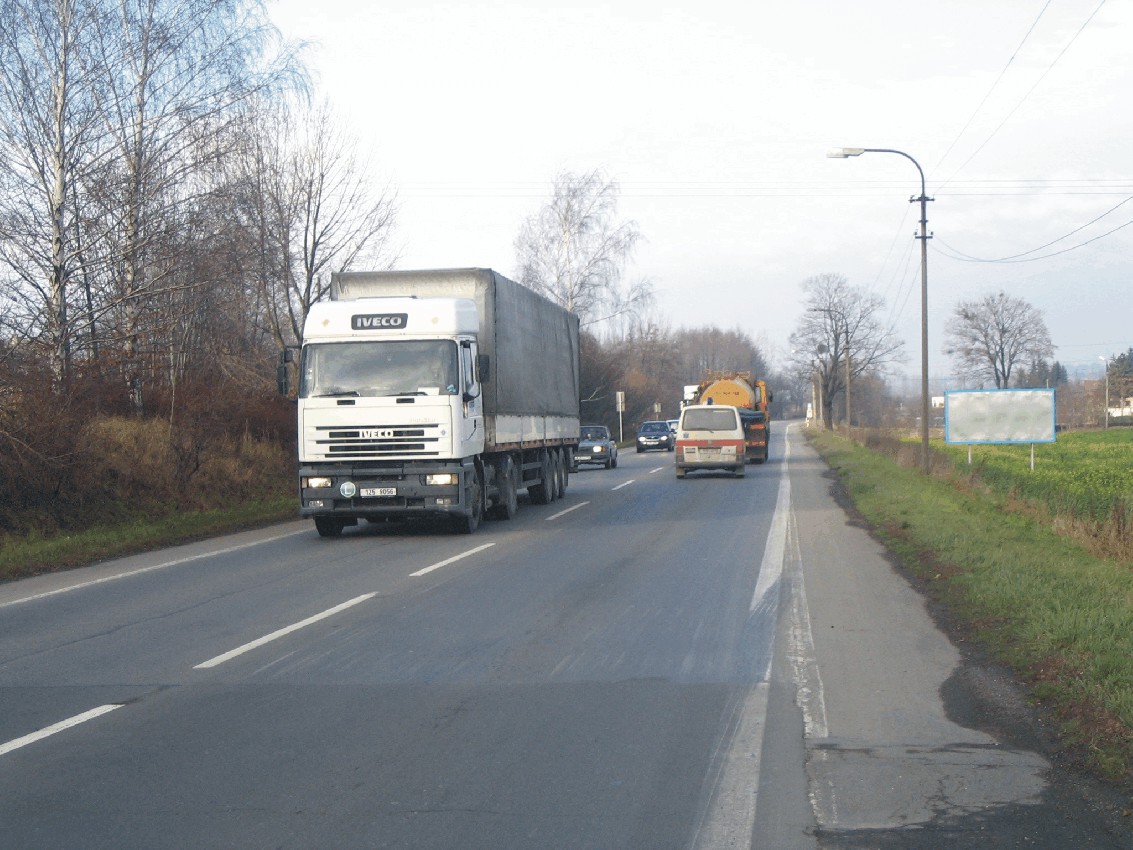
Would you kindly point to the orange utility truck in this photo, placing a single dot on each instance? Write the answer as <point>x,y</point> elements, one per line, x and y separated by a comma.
<point>751,397</point>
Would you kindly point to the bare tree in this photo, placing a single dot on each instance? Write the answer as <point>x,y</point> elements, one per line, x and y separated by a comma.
<point>175,73</point>
<point>312,209</point>
<point>574,250</point>
<point>988,338</point>
<point>841,324</point>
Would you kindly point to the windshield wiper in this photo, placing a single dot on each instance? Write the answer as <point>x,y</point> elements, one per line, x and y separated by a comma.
<point>338,394</point>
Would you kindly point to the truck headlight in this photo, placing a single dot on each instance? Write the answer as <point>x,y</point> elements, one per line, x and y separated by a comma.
<point>318,481</point>
<point>441,478</point>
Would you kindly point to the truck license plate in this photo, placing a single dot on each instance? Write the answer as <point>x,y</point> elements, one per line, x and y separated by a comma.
<point>376,492</point>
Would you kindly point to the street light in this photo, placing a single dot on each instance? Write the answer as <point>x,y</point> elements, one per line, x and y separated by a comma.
<point>846,153</point>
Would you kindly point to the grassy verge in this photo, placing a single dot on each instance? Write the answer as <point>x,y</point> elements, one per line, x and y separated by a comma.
<point>35,553</point>
<point>1061,618</point>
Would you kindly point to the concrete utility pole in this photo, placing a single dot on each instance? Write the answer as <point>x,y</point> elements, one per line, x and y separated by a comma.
<point>845,153</point>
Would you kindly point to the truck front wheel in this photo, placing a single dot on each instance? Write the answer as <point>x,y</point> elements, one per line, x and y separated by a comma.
<point>507,481</point>
<point>329,526</point>
<point>468,523</point>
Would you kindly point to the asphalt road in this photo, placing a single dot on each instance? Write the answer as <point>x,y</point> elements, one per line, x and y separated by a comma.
<point>646,663</point>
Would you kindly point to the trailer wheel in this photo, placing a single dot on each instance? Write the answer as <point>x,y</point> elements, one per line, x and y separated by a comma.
<point>543,492</point>
<point>329,526</point>
<point>559,473</point>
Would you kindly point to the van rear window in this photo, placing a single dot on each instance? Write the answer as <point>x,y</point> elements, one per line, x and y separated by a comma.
<point>706,419</point>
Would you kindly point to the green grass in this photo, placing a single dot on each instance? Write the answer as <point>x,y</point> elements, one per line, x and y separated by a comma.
<point>1060,617</point>
<point>35,553</point>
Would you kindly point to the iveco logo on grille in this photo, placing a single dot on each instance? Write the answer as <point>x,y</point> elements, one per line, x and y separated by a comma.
<point>369,434</point>
<point>378,321</point>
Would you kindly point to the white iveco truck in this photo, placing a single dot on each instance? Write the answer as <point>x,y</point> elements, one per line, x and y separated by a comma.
<point>434,393</point>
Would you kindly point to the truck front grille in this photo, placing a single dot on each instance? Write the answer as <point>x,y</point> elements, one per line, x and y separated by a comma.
<point>377,441</point>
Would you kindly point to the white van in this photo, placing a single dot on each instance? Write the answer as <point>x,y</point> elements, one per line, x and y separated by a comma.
<point>710,436</point>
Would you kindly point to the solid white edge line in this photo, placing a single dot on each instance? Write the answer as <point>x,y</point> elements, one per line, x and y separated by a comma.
<point>566,511</point>
<point>240,650</point>
<point>451,560</point>
<point>620,486</point>
<point>148,569</point>
<point>48,731</point>
<point>731,816</point>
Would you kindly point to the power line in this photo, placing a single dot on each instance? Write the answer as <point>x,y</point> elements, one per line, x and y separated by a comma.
<point>989,91</point>
<point>1022,258</point>
<point>1031,90</point>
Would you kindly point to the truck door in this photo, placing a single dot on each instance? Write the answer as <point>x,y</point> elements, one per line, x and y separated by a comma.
<point>472,423</point>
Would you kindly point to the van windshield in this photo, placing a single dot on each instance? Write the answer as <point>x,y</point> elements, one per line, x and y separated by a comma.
<point>708,419</point>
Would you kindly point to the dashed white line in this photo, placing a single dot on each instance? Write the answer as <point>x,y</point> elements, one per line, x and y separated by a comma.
<point>620,486</point>
<point>240,650</point>
<point>451,560</point>
<point>48,731</point>
<point>566,511</point>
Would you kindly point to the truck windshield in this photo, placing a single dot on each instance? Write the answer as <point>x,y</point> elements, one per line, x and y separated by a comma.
<point>379,368</point>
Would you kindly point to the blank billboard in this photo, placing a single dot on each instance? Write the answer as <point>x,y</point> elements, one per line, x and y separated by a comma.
<point>999,416</point>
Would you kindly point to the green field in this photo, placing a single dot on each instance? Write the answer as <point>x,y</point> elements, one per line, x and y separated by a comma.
<point>1087,474</point>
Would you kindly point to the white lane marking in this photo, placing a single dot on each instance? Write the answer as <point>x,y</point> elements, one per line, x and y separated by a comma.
<point>566,511</point>
<point>657,469</point>
<point>150,569</point>
<point>248,647</point>
<point>48,731</point>
<point>620,486</point>
<point>810,692</point>
<point>451,560</point>
<point>771,568</point>
<point>730,818</point>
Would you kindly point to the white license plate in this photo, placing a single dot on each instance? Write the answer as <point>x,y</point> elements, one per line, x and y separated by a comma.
<point>376,492</point>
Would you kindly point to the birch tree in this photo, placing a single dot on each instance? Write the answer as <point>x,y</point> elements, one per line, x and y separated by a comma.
<point>575,250</point>
<point>176,71</point>
<point>48,143</point>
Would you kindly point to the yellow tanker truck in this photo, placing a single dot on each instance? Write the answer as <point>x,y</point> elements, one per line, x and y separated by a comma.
<point>751,396</point>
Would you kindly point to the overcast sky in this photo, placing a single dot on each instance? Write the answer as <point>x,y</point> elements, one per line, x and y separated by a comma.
<point>715,119</point>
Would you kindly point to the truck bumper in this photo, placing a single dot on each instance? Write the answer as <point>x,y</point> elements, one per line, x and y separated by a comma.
<point>384,490</point>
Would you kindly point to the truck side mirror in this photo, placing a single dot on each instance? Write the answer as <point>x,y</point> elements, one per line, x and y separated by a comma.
<point>286,356</point>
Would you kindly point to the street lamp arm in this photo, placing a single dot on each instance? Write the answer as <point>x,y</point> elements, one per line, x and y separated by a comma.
<point>846,153</point>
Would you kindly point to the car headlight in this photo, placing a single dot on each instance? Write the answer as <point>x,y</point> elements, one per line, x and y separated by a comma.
<point>318,481</point>
<point>599,449</point>
<point>441,478</point>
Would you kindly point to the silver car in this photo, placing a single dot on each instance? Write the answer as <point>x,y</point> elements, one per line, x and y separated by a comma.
<point>596,446</point>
